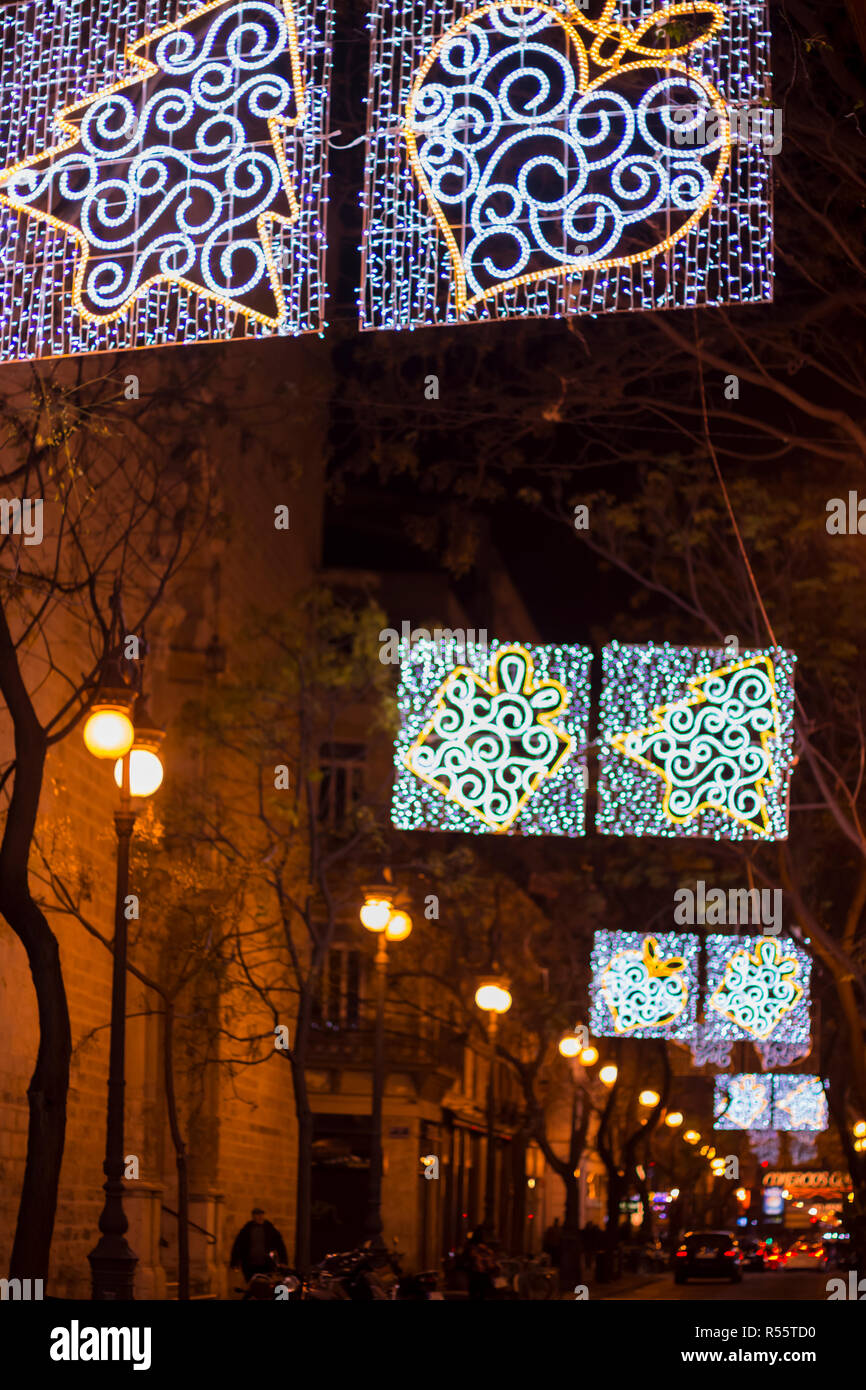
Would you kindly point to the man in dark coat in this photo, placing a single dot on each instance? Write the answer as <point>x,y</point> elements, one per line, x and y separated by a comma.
<point>258,1246</point>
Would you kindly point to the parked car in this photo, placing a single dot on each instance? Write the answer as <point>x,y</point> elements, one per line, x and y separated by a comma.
<point>708,1255</point>
<point>806,1253</point>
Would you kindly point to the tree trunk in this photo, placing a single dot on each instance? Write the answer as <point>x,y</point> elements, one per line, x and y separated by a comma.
<point>304,1116</point>
<point>46,1094</point>
<point>181,1157</point>
<point>49,1084</point>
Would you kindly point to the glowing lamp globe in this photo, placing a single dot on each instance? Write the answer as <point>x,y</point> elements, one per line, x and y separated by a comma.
<point>569,1046</point>
<point>860,1129</point>
<point>742,1194</point>
<point>648,1098</point>
<point>399,926</point>
<point>589,1056</point>
<point>145,772</point>
<point>493,999</point>
<point>376,914</point>
<point>691,1136</point>
<point>108,731</point>
<point>673,1119</point>
<point>675,1192</point>
<point>607,1075</point>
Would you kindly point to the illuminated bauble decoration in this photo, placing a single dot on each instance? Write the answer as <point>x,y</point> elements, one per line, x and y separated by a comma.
<point>145,772</point>
<point>492,740</point>
<point>608,1074</point>
<point>569,1046</point>
<point>533,169</point>
<point>673,1119</point>
<point>108,731</point>
<point>691,1136</point>
<point>539,160</point>
<point>589,1056</point>
<point>695,744</point>
<point>743,1102</point>
<point>648,1098</point>
<point>643,986</point>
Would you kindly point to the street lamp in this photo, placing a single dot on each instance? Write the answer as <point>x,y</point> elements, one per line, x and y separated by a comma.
<point>112,1262</point>
<point>493,998</point>
<point>569,1046</point>
<point>608,1074</point>
<point>648,1099</point>
<point>589,1056</point>
<point>379,915</point>
<point>673,1119</point>
<point>691,1136</point>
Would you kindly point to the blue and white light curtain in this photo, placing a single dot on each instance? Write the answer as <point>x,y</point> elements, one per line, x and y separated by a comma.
<point>162,172</point>
<point>530,159</point>
<point>492,739</point>
<point>695,742</point>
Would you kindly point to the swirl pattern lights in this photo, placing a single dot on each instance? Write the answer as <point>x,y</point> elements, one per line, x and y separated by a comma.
<point>758,989</point>
<point>762,1101</point>
<point>693,744</point>
<point>525,158</point>
<point>800,1103</point>
<point>177,201</point>
<point>643,986</point>
<point>743,1101</point>
<point>492,739</point>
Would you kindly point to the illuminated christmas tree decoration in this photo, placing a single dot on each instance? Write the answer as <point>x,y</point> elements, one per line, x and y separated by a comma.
<point>643,986</point>
<point>800,1103</point>
<point>179,200</point>
<point>693,744</point>
<point>772,1101</point>
<point>743,1101</point>
<point>757,989</point>
<point>492,739</point>
<point>542,159</point>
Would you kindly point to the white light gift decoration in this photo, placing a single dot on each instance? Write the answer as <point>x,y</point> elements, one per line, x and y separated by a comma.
<point>162,172</point>
<point>767,1100</point>
<point>695,743</point>
<point>492,738</point>
<point>643,986</point>
<point>542,159</point>
<point>757,989</point>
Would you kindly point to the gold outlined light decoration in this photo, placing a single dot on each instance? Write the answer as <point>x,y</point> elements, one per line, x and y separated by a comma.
<point>606,30</point>
<point>177,194</point>
<point>492,740</point>
<point>694,744</point>
<point>643,986</point>
<point>529,160</point>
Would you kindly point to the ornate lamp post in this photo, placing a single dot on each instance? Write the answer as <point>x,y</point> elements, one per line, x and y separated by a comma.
<point>493,998</point>
<point>389,923</point>
<point>109,733</point>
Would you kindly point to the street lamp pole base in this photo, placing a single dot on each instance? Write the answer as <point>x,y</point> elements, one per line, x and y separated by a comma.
<point>112,1270</point>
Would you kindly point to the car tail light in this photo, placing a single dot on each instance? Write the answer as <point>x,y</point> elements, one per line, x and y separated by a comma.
<point>681,1254</point>
<point>730,1252</point>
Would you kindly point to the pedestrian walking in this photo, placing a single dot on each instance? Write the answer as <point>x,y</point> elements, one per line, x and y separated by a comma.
<point>258,1247</point>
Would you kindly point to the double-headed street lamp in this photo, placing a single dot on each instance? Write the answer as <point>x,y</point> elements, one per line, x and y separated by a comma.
<point>493,998</point>
<point>390,923</point>
<point>133,743</point>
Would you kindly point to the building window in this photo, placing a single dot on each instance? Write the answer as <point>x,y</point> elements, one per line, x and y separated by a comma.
<point>342,784</point>
<point>338,1004</point>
